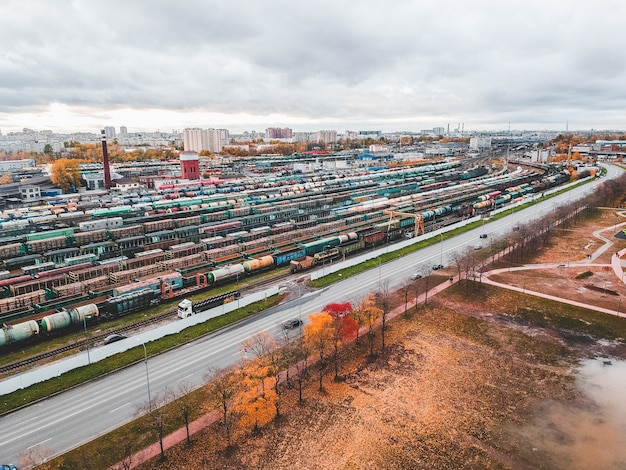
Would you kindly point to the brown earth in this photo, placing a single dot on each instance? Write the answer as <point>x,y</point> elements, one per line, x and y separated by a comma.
<point>446,393</point>
<point>595,285</point>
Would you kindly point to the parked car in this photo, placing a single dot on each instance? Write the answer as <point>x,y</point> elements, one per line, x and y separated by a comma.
<point>415,276</point>
<point>113,338</point>
<point>291,324</point>
<point>437,267</point>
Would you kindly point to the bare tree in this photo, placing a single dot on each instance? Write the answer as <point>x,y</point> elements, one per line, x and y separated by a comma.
<point>384,302</point>
<point>222,390</point>
<point>457,259</point>
<point>182,402</point>
<point>425,271</point>
<point>405,288</point>
<point>300,354</point>
<point>157,417</point>
<point>36,456</point>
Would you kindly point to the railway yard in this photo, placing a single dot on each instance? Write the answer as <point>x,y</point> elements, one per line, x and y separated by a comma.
<point>79,261</point>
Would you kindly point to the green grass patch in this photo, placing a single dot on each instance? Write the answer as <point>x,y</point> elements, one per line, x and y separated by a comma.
<point>585,275</point>
<point>75,377</point>
<point>545,312</point>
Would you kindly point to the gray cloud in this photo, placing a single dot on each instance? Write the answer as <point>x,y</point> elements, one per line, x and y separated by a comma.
<point>415,61</point>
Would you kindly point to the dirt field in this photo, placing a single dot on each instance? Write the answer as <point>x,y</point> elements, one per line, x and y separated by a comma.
<point>448,392</point>
<point>574,279</point>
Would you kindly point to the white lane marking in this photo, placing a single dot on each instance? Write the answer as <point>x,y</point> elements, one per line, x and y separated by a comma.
<point>185,377</point>
<point>39,443</point>
<point>29,419</point>
<point>119,407</point>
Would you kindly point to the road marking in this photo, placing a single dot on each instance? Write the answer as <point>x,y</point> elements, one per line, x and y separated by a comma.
<point>185,377</point>
<point>119,407</point>
<point>39,443</point>
<point>29,419</point>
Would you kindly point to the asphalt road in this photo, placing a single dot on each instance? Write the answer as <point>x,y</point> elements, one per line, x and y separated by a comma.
<point>69,419</point>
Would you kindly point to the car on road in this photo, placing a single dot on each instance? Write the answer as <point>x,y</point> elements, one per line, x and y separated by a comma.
<point>415,276</point>
<point>113,338</point>
<point>7,467</point>
<point>478,247</point>
<point>483,235</point>
<point>291,324</point>
<point>437,267</point>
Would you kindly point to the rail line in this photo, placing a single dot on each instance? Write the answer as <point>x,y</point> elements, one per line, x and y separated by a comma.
<point>97,339</point>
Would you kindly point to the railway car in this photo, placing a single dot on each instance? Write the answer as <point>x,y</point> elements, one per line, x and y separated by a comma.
<point>128,303</point>
<point>18,332</point>
<point>226,273</point>
<point>64,319</point>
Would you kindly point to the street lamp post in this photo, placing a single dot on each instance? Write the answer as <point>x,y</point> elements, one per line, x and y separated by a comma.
<point>441,249</point>
<point>380,264</point>
<point>299,300</point>
<point>299,303</point>
<point>85,325</point>
<point>145,355</point>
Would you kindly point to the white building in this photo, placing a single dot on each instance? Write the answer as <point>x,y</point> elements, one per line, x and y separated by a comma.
<point>326,137</point>
<point>196,140</point>
<point>480,143</point>
<point>29,192</point>
<point>109,131</point>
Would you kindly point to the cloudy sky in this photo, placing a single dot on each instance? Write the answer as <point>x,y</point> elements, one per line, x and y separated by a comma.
<point>311,65</point>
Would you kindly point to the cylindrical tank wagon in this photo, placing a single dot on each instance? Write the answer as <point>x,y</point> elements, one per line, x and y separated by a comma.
<point>18,332</point>
<point>63,319</point>
<point>227,272</point>
<point>257,264</point>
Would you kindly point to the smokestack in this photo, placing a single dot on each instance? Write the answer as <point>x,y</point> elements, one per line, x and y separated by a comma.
<point>105,162</point>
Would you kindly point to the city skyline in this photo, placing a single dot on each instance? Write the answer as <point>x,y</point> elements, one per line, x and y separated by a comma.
<point>241,65</point>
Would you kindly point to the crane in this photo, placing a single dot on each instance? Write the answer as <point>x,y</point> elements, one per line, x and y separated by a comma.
<point>419,219</point>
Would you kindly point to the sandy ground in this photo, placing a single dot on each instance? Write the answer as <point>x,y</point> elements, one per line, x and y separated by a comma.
<point>449,391</point>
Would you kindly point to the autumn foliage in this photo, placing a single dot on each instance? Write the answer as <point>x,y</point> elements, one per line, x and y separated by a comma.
<point>65,174</point>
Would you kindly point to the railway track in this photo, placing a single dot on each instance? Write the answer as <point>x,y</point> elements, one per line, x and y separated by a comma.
<point>97,339</point>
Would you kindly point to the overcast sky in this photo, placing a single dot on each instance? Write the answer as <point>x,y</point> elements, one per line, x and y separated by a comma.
<point>311,65</point>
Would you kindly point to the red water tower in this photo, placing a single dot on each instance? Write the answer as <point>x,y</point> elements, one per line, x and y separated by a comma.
<point>189,166</point>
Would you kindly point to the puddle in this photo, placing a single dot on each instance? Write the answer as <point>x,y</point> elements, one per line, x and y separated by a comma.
<point>590,434</point>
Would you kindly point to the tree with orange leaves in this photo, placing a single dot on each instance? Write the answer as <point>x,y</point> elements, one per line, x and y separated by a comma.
<point>272,361</point>
<point>369,312</point>
<point>344,328</point>
<point>256,401</point>
<point>318,334</point>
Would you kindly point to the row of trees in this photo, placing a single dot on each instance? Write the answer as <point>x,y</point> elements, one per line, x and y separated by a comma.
<point>248,395</point>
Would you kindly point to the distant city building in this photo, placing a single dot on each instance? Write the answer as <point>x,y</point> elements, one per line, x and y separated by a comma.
<point>539,155</point>
<point>439,130</point>
<point>109,131</point>
<point>8,166</point>
<point>480,143</point>
<point>125,185</point>
<point>196,140</point>
<point>189,166</point>
<point>278,133</point>
<point>95,180</point>
<point>326,137</point>
<point>304,136</point>
<point>377,148</point>
<point>29,192</point>
<point>123,130</point>
<point>370,134</point>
